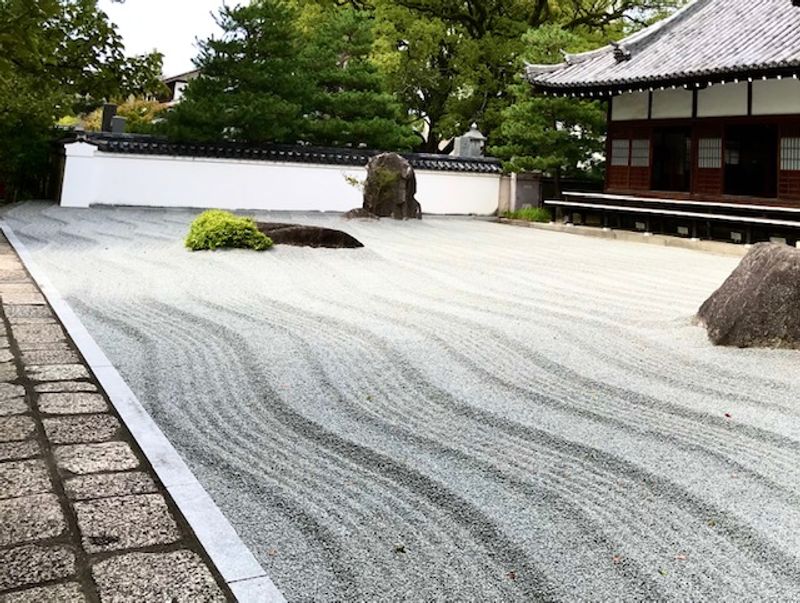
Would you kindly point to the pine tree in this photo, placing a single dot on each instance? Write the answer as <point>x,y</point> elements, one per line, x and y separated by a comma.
<point>350,105</point>
<point>252,86</point>
<point>558,136</point>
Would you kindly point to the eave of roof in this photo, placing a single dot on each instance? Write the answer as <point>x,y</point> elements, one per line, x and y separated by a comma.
<point>705,42</point>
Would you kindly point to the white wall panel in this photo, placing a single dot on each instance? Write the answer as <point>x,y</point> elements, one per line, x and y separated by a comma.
<point>92,177</point>
<point>721,101</point>
<point>630,106</point>
<point>776,97</point>
<point>671,104</point>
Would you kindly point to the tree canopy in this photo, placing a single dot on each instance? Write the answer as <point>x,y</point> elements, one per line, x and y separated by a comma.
<point>386,74</point>
<point>57,57</point>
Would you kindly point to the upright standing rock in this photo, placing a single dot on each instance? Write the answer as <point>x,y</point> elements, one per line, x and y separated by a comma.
<point>759,304</point>
<point>390,188</point>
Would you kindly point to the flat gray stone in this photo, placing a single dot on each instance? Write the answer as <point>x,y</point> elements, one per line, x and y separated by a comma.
<point>71,403</point>
<point>125,522</point>
<point>4,342</point>
<point>9,390</point>
<point>8,371</point>
<point>14,429</point>
<point>43,345</point>
<point>13,406</point>
<point>20,311</point>
<point>39,332</point>
<point>6,356</point>
<point>81,428</point>
<point>24,299</point>
<point>23,478</point>
<point>57,372</point>
<point>82,459</point>
<point>12,275</point>
<point>30,518</point>
<point>69,592</point>
<point>19,450</point>
<point>105,485</point>
<point>44,357</point>
<point>65,386</point>
<point>26,294</point>
<point>31,320</point>
<point>33,564</point>
<point>176,576</point>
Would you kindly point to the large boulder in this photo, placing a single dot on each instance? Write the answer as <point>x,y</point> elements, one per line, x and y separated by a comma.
<point>301,235</point>
<point>759,304</point>
<point>390,188</point>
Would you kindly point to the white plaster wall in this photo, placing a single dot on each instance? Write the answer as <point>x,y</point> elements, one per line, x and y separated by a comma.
<point>776,97</point>
<point>722,100</point>
<point>670,104</point>
<point>628,106</point>
<point>92,177</point>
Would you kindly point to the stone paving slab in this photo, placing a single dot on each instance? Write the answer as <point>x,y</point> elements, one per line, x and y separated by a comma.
<point>30,518</point>
<point>65,387</point>
<point>23,478</point>
<point>81,429</point>
<point>83,517</point>
<point>69,592</point>
<point>66,403</point>
<point>81,459</point>
<point>104,485</point>
<point>125,522</point>
<point>153,577</point>
<point>31,564</point>
<point>11,451</point>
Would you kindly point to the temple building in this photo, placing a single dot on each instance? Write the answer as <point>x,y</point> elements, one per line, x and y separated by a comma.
<point>703,122</point>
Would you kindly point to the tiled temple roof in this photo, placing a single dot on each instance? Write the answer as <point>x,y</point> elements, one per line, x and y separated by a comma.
<point>706,41</point>
<point>146,145</point>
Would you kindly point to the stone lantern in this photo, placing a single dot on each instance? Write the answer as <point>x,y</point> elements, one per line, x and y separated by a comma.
<point>470,144</point>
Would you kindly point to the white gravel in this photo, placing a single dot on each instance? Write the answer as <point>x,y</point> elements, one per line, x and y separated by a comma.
<point>459,411</point>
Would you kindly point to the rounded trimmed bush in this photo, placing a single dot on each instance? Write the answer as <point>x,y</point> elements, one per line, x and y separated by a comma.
<point>216,228</point>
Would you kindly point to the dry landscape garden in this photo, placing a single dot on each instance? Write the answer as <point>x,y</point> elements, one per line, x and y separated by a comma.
<point>400,300</point>
<point>441,414</point>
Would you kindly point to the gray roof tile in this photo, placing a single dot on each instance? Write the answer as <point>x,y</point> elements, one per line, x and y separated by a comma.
<point>706,39</point>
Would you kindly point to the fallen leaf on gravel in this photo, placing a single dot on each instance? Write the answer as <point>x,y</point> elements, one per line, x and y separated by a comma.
<point>272,552</point>
<point>400,548</point>
<point>662,571</point>
<point>616,559</point>
<point>680,557</point>
<point>512,575</point>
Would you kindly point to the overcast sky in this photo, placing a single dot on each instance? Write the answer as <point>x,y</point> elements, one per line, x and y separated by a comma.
<point>170,26</point>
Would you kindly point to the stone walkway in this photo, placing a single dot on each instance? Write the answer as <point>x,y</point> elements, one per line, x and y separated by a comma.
<point>82,515</point>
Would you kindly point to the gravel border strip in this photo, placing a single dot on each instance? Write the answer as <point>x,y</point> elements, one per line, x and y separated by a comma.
<point>234,561</point>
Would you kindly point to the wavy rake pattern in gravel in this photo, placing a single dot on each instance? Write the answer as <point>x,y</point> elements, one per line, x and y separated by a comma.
<point>479,433</point>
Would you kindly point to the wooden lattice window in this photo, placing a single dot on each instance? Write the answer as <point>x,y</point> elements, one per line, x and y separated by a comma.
<point>640,153</point>
<point>790,154</point>
<point>709,153</point>
<point>620,151</point>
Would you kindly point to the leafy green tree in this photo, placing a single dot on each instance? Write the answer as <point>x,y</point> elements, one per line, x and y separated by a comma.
<point>350,105</point>
<point>465,55</point>
<point>57,58</point>
<point>555,135</point>
<point>253,86</point>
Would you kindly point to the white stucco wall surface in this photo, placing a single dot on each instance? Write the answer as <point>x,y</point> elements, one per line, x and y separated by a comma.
<point>92,177</point>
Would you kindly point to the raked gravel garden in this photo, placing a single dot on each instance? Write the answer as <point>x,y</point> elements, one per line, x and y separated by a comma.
<point>459,410</point>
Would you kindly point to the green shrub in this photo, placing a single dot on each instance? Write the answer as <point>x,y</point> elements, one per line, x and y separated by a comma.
<point>531,214</point>
<point>216,228</point>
